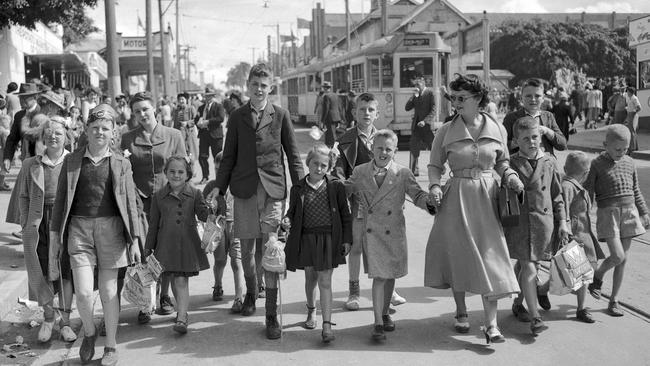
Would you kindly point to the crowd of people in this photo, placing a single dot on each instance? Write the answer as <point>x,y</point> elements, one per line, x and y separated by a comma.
<point>104,185</point>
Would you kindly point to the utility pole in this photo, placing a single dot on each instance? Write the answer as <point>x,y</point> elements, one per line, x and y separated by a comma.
<point>268,46</point>
<point>179,80</point>
<point>277,34</point>
<point>253,59</point>
<point>114,82</point>
<point>163,50</point>
<point>347,32</point>
<point>486,50</point>
<point>151,81</point>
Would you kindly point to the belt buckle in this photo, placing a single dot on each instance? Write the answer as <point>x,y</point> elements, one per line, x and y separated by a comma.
<point>476,172</point>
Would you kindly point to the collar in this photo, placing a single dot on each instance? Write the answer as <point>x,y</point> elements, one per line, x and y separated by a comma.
<point>458,132</point>
<point>540,154</point>
<point>262,108</point>
<point>33,108</point>
<point>377,170</point>
<point>314,186</point>
<point>168,191</point>
<point>373,131</point>
<point>47,161</point>
<point>537,114</point>
<point>97,160</point>
<point>574,182</point>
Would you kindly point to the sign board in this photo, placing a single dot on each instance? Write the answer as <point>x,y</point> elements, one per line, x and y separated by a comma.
<point>139,43</point>
<point>416,42</point>
<point>639,31</point>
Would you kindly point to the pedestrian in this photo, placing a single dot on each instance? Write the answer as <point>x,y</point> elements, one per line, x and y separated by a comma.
<point>633,107</point>
<point>5,127</point>
<point>183,116</point>
<point>622,212</point>
<point>95,215</point>
<point>532,94</point>
<point>472,257</point>
<point>259,136</point>
<point>423,104</point>
<point>355,148</point>
<point>165,112</point>
<point>209,119</point>
<point>148,147</point>
<point>173,237</point>
<point>231,247</point>
<point>594,101</point>
<point>37,187</point>
<point>13,100</point>
<point>617,105</point>
<point>380,188</point>
<point>578,206</point>
<point>531,240</point>
<point>563,116</point>
<point>320,235</point>
<point>90,101</point>
<point>330,110</point>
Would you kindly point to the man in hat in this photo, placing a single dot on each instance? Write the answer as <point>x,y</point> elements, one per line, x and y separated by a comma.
<point>330,111</point>
<point>424,112</point>
<point>208,119</point>
<point>27,94</point>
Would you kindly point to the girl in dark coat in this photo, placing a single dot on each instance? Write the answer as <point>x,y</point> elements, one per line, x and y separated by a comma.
<point>320,234</point>
<point>173,236</point>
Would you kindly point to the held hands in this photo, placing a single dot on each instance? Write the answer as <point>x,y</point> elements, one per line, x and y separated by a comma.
<point>514,183</point>
<point>563,231</point>
<point>435,196</point>
<point>421,124</point>
<point>7,164</point>
<point>212,196</point>
<point>346,249</point>
<point>286,223</point>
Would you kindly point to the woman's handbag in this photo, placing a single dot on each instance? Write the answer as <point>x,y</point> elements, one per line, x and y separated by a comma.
<point>508,201</point>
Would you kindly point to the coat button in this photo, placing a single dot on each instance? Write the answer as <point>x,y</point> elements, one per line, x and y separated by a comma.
<point>387,232</point>
<point>389,212</point>
<point>545,209</point>
<point>180,205</point>
<point>369,230</point>
<point>178,221</point>
<point>543,188</point>
<point>180,213</point>
<point>370,212</point>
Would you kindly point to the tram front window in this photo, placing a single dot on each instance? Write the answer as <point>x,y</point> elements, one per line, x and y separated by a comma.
<point>415,66</point>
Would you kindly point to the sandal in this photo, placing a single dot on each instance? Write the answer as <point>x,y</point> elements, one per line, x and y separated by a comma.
<point>461,325</point>
<point>327,334</point>
<point>310,323</point>
<point>180,326</point>
<point>493,334</point>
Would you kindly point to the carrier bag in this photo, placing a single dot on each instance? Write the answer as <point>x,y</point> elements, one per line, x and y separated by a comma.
<point>137,289</point>
<point>508,201</point>
<point>274,258</point>
<point>573,267</point>
<point>214,233</point>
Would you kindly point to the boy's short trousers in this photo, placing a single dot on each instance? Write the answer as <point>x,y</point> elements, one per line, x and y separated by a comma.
<point>257,214</point>
<point>97,241</point>
<point>618,222</point>
<point>232,247</point>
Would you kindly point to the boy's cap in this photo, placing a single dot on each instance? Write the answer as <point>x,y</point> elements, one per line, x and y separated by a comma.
<point>103,112</point>
<point>29,89</point>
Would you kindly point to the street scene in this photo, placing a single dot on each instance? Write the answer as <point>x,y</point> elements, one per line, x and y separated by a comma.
<point>352,182</point>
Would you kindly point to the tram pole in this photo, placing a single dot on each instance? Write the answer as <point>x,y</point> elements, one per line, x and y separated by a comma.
<point>347,32</point>
<point>486,50</point>
<point>114,82</point>
<point>151,82</point>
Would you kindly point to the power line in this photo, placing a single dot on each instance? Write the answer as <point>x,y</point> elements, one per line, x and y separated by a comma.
<point>226,20</point>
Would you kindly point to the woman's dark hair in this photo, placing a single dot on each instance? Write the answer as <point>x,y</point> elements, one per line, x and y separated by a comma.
<point>139,97</point>
<point>472,84</point>
<point>185,160</point>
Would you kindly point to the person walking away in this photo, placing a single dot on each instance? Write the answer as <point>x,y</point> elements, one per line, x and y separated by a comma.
<point>330,113</point>
<point>423,104</point>
<point>209,119</point>
<point>633,107</point>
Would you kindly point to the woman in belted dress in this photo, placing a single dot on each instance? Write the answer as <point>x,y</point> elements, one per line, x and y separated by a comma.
<point>467,251</point>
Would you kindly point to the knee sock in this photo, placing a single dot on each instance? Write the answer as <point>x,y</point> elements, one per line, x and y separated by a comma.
<point>271,305</point>
<point>354,288</point>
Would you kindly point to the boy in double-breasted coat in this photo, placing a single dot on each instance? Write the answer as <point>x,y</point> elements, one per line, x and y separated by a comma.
<point>380,188</point>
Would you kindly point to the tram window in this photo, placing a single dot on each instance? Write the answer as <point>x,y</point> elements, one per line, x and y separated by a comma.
<point>302,88</point>
<point>284,87</point>
<point>293,86</point>
<point>327,76</point>
<point>387,72</point>
<point>358,78</point>
<point>311,83</point>
<point>373,73</point>
<point>418,65</point>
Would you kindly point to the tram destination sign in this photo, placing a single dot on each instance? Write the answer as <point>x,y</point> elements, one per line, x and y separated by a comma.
<point>416,42</point>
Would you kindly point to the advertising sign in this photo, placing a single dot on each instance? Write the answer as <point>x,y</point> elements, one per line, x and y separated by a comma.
<point>639,31</point>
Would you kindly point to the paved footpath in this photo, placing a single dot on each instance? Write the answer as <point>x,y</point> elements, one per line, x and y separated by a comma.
<point>424,333</point>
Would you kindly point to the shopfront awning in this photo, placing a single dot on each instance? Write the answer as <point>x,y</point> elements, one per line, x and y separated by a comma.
<point>65,62</point>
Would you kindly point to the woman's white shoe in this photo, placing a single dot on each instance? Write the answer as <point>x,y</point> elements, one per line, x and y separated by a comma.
<point>45,333</point>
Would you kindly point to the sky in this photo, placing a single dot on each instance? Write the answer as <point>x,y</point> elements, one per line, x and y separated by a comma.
<point>226,32</point>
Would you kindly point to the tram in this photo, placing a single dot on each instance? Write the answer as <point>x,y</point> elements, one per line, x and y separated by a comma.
<point>382,67</point>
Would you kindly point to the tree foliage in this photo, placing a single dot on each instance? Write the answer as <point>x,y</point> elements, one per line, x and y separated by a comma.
<point>537,48</point>
<point>28,12</point>
<point>237,75</point>
<point>77,27</point>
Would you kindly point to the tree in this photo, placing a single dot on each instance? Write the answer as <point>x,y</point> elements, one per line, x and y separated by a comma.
<point>537,48</point>
<point>237,75</point>
<point>28,12</point>
<point>77,27</point>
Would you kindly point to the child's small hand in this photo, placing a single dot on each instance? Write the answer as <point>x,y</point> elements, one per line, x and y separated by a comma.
<point>563,231</point>
<point>346,249</point>
<point>436,195</point>
<point>147,253</point>
<point>286,223</point>
<point>515,183</point>
<point>645,219</point>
